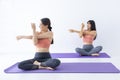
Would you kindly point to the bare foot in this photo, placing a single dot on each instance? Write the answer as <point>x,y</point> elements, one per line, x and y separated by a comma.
<point>95,54</point>
<point>36,63</point>
<point>49,68</point>
<point>41,67</point>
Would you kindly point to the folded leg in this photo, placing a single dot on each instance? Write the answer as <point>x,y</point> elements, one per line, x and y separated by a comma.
<point>28,65</point>
<point>95,50</point>
<point>53,63</point>
<point>81,51</point>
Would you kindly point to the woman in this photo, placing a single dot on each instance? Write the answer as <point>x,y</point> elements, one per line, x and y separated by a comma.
<point>88,36</point>
<point>42,41</point>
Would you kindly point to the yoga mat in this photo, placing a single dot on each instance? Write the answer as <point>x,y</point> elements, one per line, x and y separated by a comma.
<point>76,55</point>
<point>71,68</point>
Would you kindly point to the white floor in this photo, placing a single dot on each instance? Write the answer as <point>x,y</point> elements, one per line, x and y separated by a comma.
<point>6,60</point>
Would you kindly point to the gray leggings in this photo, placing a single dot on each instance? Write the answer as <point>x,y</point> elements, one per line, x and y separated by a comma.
<point>87,50</point>
<point>44,58</point>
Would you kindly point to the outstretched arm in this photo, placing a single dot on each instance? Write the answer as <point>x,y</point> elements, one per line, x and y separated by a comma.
<point>24,37</point>
<point>77,31</point>
<point>45,35</point>
<point>34,36</point>
<point>90,32</point>
<point>72,30</point>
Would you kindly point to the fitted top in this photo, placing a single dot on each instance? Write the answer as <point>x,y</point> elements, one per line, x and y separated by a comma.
<point>43,43</point>
<point>88,38</point>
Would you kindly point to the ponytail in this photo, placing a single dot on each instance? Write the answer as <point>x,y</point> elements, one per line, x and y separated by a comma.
<point>46,21</point>
<point>50,29</point>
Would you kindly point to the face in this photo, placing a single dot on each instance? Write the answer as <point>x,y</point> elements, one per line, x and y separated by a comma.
<point>88,25</point>
<point>43,27</point>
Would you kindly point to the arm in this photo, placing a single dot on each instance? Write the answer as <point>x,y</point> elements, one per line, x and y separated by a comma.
<point>79,32</point>
<point>72,30</point>
<point>35,39</point>
<point>82,30</point>
<point>45,35</point>
<point>24,37</point>
<point>90,32</point>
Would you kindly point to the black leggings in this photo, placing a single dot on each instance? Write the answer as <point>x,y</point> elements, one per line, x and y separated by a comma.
<point>43,57</point>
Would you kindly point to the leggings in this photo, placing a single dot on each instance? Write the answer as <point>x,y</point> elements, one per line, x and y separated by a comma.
<point>87,50</point>
<point>43,57</point>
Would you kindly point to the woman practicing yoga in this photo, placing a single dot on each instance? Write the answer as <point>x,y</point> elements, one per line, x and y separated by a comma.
<point>88,36</point>
<point>42,41</point>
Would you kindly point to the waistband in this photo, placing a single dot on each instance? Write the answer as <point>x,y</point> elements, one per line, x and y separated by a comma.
<point>87,45</point>
<point>42,55</point>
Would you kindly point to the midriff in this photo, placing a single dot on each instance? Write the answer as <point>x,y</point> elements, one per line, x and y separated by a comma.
<point>43,45</point>
<point>42,49</point>
<point>87,43</point>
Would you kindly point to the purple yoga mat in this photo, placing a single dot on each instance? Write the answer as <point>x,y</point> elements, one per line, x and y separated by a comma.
<point>76,55</point>
<point>71,68</point>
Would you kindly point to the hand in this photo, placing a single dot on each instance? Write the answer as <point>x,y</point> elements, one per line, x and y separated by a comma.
<point>33,26</point>
<point>83,25</point>
<point>71,30</point>
<point>19,37</point>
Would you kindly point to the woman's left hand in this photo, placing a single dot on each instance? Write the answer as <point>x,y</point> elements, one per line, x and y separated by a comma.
<point>33,26</point>
<point>19,37</point>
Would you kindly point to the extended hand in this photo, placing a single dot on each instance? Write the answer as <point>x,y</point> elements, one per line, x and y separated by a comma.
<point>19,37</point>
<point>71,30</point>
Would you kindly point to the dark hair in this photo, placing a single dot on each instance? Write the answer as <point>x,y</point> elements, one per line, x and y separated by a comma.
<point>46,21</point>
<point>93,26</point>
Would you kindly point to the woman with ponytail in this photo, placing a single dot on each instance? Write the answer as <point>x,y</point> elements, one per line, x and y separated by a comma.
<point>42,41</point>
<point>88,35</point>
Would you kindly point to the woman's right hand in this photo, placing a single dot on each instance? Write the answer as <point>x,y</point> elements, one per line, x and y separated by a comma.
<point>19,37</point>
<point>71,30</point>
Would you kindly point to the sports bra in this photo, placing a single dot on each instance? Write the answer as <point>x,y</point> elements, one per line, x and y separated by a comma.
<point>88,38</point>
<point>43,43</point>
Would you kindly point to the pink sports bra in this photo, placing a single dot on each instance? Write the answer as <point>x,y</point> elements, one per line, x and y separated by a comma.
<point>43,43</point>
<point>88,38</point>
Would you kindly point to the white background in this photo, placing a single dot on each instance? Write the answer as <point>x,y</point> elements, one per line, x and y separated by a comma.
<point>16,16</point>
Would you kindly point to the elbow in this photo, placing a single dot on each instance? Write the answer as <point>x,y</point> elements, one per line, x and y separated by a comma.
<point>80,36</point>
<point>35,43</point>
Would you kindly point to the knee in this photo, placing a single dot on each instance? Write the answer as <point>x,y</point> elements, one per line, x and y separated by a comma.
<point>57,62</point>
<point>99,47</point>
<point>20,65</point>
<point>53,63</point>
<point>77,50</point>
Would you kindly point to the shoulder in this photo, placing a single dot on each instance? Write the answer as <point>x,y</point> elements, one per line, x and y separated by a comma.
<point>50,33</point>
